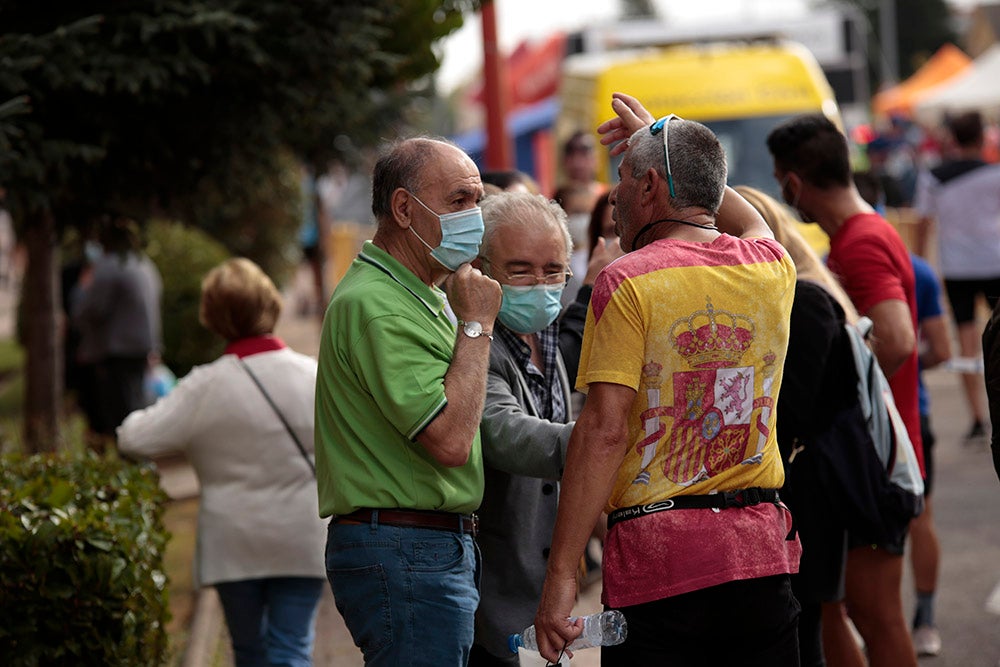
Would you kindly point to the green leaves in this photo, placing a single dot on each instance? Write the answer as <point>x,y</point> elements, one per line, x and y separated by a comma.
<point>183,255</point>
<point>134,104</point>
<point>81,562</point>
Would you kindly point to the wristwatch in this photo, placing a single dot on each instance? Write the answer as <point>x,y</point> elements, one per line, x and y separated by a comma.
<point>474,329</point>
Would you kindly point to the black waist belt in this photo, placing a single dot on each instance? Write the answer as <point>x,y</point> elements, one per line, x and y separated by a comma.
<point>456,523</point>
<point>719,501</point>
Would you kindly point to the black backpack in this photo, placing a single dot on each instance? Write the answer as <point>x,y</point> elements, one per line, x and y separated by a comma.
<point>864,464</point>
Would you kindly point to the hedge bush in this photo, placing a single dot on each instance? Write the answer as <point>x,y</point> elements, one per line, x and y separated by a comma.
<point>81,562</point>
<point>183,255</point>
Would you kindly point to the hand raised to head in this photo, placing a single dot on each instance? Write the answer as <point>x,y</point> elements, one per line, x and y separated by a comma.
<point>631,116</point>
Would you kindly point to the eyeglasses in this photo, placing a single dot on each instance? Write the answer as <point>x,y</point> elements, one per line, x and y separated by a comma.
<point>662,125</point>
<point>532,279</point>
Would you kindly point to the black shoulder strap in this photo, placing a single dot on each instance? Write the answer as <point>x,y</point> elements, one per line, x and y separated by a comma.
<point>288,427</point>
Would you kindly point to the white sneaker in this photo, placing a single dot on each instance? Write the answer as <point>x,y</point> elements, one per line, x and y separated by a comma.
<point>927,640</point>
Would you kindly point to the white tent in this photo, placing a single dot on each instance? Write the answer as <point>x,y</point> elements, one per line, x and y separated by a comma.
<point>977,89</point>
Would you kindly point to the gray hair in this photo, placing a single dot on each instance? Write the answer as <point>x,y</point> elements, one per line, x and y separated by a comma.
<point>697,162</point>
<point>401,165</point>
<point>521,209</point>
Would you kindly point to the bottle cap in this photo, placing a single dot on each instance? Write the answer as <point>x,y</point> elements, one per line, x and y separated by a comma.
<point>514,642</point>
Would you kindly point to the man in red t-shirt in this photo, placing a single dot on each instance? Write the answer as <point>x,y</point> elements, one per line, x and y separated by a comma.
<point>812,164</point>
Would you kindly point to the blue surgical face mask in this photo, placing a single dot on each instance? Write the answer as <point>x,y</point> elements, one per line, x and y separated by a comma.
<point>530,309</point>
<point>461,234</point>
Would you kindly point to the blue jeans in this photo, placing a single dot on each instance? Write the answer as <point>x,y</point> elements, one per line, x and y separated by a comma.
<point>407,595</point>
<point>271,621</point>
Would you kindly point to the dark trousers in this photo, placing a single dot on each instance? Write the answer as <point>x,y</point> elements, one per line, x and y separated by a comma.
<point>120,390</point>
<point>750,623</point>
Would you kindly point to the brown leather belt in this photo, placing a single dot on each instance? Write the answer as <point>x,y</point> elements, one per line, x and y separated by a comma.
<point>456,523</point>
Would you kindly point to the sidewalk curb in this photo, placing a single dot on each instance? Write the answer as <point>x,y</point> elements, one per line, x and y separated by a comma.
<point>206,627</point>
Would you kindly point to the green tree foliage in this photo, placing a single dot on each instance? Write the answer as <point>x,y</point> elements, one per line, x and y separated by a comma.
<point>135,104</point>
<point>155,106</point>
<point>183,256</point>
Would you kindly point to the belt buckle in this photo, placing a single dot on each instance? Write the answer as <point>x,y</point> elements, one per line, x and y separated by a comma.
<point>753,496</point>
<point>732,499</point>
<point>474,520</point>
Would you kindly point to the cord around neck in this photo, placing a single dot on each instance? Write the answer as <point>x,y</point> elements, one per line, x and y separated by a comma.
<point>650,225</point>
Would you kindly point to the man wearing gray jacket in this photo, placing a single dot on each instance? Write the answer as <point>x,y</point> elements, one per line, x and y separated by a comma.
<point>526,420</point>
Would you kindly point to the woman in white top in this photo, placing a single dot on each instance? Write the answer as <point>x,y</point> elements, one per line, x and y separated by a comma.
<point>260,538</point>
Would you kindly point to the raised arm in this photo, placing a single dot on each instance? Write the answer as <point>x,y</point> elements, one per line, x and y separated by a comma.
<point>448,437</point>
<point>737,217</point>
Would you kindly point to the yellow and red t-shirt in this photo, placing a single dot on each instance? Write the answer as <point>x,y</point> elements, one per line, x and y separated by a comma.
<point>700,332</point>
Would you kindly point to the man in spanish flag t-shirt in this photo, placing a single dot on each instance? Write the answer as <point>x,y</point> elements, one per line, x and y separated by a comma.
<point>682,359</point>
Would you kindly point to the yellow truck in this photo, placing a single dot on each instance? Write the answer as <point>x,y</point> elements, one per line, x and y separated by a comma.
<point>739,89</point>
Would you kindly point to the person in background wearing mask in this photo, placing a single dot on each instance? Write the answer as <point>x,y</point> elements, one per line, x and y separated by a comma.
<point>577,195</point>
<point>526,422</point>
<point>399,397</point>
<point>579,164</point>
<point>117,312</point>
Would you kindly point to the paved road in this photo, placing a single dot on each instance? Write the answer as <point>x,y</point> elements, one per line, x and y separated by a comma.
<point>966,501</point>
<point>967,495</point>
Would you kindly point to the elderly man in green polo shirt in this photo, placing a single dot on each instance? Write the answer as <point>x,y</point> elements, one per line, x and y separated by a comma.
<point>399,396</point>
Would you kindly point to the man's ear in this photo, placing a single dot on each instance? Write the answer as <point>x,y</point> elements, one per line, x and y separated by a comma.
<point>401,205</point>
<point>648,185</point>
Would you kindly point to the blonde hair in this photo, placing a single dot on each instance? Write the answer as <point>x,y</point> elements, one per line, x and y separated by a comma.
<point>807,263</point>
<point>238,300</point>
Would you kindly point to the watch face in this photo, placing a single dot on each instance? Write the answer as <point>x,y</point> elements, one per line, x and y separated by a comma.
<point>473,329</point>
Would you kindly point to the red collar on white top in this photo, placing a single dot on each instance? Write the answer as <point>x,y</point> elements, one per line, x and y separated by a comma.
<point>244,347</point>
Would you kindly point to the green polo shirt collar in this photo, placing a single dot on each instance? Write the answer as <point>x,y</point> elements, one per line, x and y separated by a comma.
<point>392,267</point>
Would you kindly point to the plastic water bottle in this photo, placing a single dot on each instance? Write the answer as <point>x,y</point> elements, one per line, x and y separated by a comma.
<point>604,629</point>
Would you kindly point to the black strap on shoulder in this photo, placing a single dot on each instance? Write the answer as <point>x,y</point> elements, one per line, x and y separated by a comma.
<point>274,406</point>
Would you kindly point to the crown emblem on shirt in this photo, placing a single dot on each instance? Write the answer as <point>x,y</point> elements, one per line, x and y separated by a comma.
<point>711,338</point>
